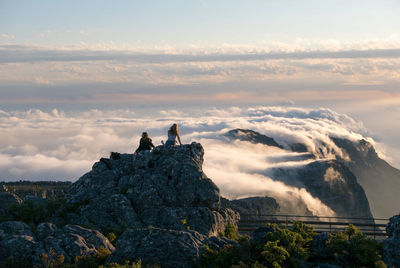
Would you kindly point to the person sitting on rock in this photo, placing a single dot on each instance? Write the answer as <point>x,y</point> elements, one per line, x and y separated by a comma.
<point>145,143</point>
<point>173,134</point>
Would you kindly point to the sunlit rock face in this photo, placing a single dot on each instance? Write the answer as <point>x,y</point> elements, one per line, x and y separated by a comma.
<point>380,180</point>
<point>319,174</point>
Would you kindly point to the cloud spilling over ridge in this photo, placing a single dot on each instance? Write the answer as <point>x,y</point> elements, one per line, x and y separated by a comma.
<point>63,145</point>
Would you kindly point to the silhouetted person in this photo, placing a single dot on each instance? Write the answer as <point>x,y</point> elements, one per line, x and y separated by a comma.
<point>173,135</point>
<point>145,143</point>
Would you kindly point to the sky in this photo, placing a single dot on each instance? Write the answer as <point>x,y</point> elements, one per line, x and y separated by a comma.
<point>166,58</point>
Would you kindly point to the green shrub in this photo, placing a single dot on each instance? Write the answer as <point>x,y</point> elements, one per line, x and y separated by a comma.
<point>274,254</point>
<point>111,237</point>
<point>230,232</point>
<point>290,247</point>
<point>51,260</point>
<point>354,249</point>
<point>92,261</point>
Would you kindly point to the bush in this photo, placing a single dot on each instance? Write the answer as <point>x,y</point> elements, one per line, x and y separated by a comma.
<point>230,232</point>
<point>51,260</point>
<point>111,237</point>
<point>354,249</point>
<point>290,247</point>
<point>93,261</point>
<point>274,254</point>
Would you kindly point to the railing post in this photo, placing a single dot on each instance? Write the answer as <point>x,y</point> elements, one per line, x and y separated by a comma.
<point>330,226</point>
<point>286,221</point>
<point>374,229</point>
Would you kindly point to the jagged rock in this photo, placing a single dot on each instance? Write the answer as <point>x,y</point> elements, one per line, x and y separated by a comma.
<point>251,136</point>
<point>374,174</point>
<point>18,247</point>
<point>391,246</point>
<point>3,188</point>
<point>161,188</point>
<point>168,248</point>
<point>16,228</point>
<point>393,227</point>
<point>333,183</point>
<point>45,229</point>
<point>74,240</point>
<point>17,242</point>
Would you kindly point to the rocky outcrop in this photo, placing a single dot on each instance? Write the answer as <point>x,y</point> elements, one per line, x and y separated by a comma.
<point>336,186</point>
<point>17,242</point>
<point>168,248</point>
<point>329,180</point>
<point>391,246</point>
<point>374,174</point>
<point>165,188</point>
<point>251,136</point>
<point>164,205</point>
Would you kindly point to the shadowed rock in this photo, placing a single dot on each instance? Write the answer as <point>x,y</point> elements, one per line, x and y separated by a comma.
<point>161,188</point>
<point>251,136</point>
<point>17,241</point>
<point>391,246</point>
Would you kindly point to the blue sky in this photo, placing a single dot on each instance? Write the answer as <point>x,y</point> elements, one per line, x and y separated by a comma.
<point>183,23</point>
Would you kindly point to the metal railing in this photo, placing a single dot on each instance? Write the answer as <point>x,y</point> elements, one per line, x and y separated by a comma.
<point>374,227</point>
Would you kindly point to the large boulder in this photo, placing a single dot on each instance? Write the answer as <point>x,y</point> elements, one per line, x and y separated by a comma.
<point>168,248</point>
<point>16,228</point>
<point>391,246</point>
<point>165,188</point>
<point>18,242</point>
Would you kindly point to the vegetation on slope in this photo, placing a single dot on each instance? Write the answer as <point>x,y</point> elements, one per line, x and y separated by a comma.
<point>284,247</point>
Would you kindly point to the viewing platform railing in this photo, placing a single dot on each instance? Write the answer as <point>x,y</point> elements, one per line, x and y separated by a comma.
<point>373,227</point>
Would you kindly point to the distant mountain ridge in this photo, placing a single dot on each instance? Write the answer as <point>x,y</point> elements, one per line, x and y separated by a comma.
<point>379,179</point>
<point>343,183</point>
<point>43,189</point>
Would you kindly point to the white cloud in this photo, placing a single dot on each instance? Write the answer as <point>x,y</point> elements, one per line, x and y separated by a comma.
<point>62,145</point>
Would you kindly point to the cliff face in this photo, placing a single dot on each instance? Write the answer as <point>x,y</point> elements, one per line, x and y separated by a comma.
<point>336,186</point>
<point>334,182</point>
<point>380,180</point>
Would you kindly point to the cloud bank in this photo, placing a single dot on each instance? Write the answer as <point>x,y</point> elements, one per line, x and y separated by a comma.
<point>85,75</point>
<point>61,145</point>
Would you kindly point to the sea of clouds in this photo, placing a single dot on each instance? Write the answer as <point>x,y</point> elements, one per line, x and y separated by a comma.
<point>56,145</point>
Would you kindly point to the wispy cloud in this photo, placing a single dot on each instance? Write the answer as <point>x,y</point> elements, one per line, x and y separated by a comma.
<point>15,53</point>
